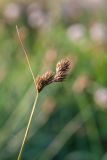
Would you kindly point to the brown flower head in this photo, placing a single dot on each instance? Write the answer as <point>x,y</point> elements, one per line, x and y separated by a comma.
<point>44,80</point>
<point>63,65</point>
<point>62,69</point>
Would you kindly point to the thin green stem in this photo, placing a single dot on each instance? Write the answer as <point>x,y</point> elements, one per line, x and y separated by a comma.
<point>36,98</point>
<point>28,127</point>
<point>25,52</point>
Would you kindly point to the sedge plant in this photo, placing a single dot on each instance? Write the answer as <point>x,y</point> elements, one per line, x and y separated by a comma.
<point>62,69</point>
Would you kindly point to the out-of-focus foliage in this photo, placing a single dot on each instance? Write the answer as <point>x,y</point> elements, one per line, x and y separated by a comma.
<point>70,121</point>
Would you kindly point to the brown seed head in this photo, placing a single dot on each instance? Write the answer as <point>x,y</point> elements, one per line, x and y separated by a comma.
<point>48,77</point>
<point>44,80</point>
<point>62,69</point>
<point>63,65</point>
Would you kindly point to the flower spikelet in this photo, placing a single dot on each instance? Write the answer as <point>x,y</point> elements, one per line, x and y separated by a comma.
<point>63,65</point>
<point>44,80</point>
<point>62,69</point>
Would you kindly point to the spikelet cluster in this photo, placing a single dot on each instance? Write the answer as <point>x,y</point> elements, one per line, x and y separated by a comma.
<point>62,69</point>
<point>44,80</point>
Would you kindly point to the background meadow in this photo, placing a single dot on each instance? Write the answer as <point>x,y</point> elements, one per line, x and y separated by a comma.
<point>70,121</point>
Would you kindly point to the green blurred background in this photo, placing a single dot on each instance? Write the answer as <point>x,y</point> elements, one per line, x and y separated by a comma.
<point>70,121</point>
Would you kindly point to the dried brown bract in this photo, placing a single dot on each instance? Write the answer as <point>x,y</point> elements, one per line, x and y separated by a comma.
<point>44,80</point>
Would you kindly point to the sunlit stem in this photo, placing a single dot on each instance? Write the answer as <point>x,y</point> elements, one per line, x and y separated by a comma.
<point>36,98</point>
<point>28,127</point>
<point>25,52</point>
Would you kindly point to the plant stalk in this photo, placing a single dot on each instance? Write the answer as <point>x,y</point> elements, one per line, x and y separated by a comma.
<point>36,98</point>
<point>28,127</point>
